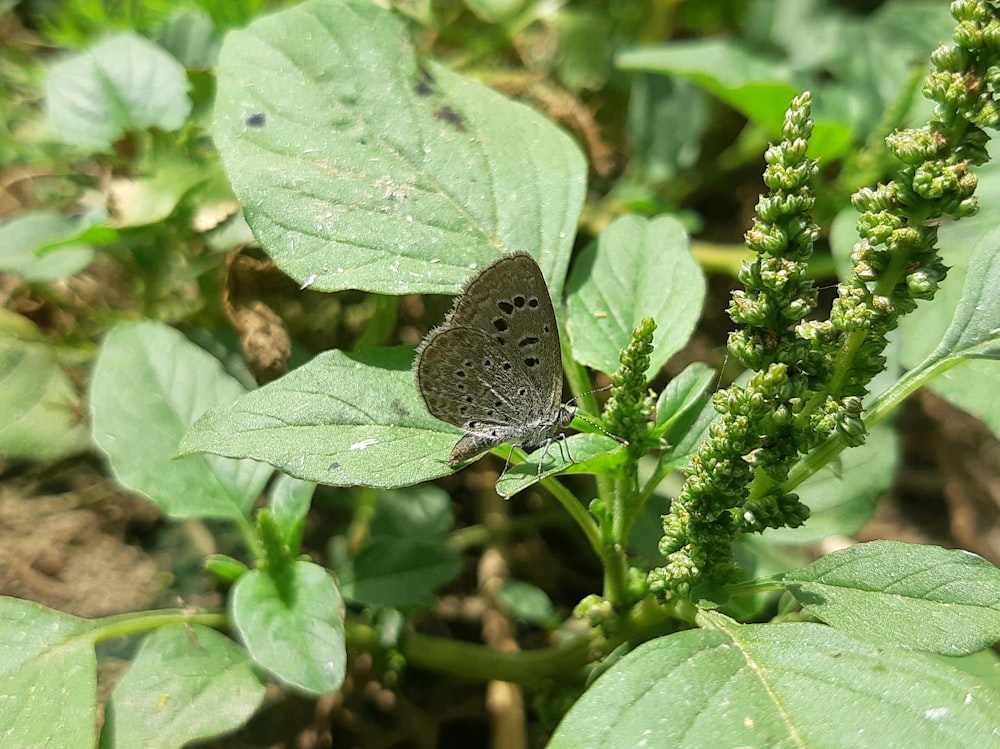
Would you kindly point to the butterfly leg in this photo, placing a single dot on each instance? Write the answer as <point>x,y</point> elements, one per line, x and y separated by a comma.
<point>506,464</point>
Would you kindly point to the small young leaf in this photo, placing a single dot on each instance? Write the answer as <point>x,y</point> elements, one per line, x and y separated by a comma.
<point>289,500</point>
<point>149,385</point>
<point>48,677</point>
<point>779,685</point>
<point>186,683</point>
<point>579,453</point>
<point>360,167</point>
<point>299,637</point>
<point>635,269</point>
<point>914,596</point>
<point>527,602</point>
<point>123,83</point>
<point>224,567</point>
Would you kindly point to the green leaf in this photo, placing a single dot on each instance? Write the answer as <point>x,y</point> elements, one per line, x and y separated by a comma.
<point>224,568</point>
<point>893,593</point>
<point>777,686</point>
<point>842,496</point>
<point>392,571</point>
<point>684,412</point>
<point>23,239</point>
<point>359,167</point>
<point>757,86</point>
<point>123,83</point>
<point>423,512</point>
<point>39,407</point>
<point>526,601</point>
<point>579,453</point>
<point>342,419</point>
<point>148,200</point>
<point>298,638</point>
<point>290,500</point>
<point>974,332</point>
<point>48,677</point>
<point>666,120</point>
<point>189,35</point>
<point>356,419</point>
<point>636,269</point>
<point>148,386</point>
<point>186,683</point>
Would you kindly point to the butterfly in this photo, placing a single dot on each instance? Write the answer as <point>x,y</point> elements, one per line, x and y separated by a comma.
<point>494,366</point>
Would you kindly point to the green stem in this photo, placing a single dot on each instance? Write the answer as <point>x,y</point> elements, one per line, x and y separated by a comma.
<point>123,625</point>
<point>615,543</point>
<point>569,654</point>
<point>249,535</point>
<point>578,512</point>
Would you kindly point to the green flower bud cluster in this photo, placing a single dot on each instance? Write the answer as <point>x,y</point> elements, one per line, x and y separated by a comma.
<point>812,375</point>
<point>630,409</point>
<point>758,433</point>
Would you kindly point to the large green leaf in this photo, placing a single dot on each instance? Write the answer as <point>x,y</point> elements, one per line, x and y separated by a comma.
<point>341,419</point>
<point>148,386</point>
<point>894,593</point>
<point>778,686</point>
<point>48,677</point>
<point>359,166</point>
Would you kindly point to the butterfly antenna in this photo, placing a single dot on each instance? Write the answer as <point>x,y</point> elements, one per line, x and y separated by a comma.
<point>592,423</point>
<point>589,392</point>
<point>601,429</point>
